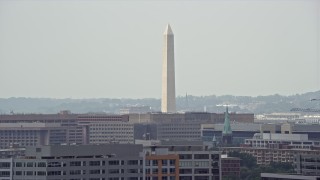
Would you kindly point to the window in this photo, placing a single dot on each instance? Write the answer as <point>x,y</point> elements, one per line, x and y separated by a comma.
<point>154,171</point>
<point>133,171</point>
<point>215,157</point>
<point>114,171</point>
<point>201,156</point>
<point>147,162</point>
<point>172,170</point>
<point>4,173</point>
<point>201,171</point>
<point>185,171</point>
<point>41,164</point>
<point>133,162</point>
<point>54,173</point>
<point>75,172</point>
<point>29,173</point>
<point>54,164</point>
<point>132,178</point>
<point>95,171</point>
<point>164,170</point>
<point>185,177</point>
<point>113,162</point>
<point>75,163</point>
<point>185,163</point>
<point>94,163</point>
<point>164,162</point>
<point>172,162</point>
<point>5,165</point>
<point>29,164</point>
<point>18,164</point>
<point>41,173</point>
<point>18,173</point>
<point>154,162</point>
<point>201,178</point>
<point>185,156</point>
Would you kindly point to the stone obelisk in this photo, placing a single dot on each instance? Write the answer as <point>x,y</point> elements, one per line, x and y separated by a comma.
<point>168,102</point>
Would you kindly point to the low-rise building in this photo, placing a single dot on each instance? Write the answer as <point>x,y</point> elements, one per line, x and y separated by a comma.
<point>108,128</point>
<point>64,128</point>
<point>267,147</point>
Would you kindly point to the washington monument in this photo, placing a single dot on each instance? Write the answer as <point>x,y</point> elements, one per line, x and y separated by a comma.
<point>168,102</point>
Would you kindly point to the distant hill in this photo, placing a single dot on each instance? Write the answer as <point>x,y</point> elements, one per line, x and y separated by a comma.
<point>257,105</point>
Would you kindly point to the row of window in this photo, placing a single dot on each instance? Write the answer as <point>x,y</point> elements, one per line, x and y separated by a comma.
<point>194,163</point>
<point>163,171</point>
<point>72,163</point>
<point>59,173</point>
<point>170,162</point>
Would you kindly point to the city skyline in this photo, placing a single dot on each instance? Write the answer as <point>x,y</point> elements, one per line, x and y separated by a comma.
<point>112,49</point>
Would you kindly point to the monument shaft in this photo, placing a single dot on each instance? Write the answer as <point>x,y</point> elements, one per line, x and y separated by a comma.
<point>168,103</point>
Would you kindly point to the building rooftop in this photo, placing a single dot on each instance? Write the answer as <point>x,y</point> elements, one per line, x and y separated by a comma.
<point>84,150</point>
<point>276,136</point>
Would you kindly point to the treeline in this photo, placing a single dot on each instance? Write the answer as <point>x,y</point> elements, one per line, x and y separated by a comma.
<point>244,104</point>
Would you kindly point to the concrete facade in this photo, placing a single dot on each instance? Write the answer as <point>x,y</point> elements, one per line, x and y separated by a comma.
<point>85,162</point>
<point>202,117</point>
<point>108,128</point>
<point>64,128</point>
<point>307,165</point>
<point>174,126</point>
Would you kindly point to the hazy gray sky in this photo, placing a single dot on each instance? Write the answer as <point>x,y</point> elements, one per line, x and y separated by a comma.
<point>84,49</point>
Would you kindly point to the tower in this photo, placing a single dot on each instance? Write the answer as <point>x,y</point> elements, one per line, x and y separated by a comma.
<point>168,102</point>
<point>227,132</point>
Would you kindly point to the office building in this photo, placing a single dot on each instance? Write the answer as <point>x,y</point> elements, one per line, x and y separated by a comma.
<point>162,165</point>
<point>268,147</point>
<point>161,126</point>
<point>195,162</point>
<point>64,128</point>
<point>307,165</point>
<point>76,162</point>
<point>230,167</point>
<point>108,128</point>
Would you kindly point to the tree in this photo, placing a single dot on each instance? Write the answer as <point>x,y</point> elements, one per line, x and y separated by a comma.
<point>249,169</point>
